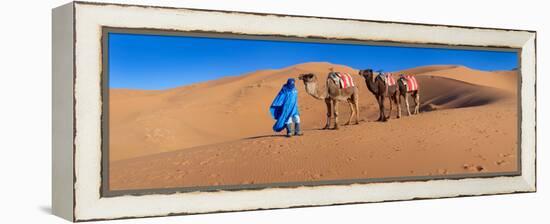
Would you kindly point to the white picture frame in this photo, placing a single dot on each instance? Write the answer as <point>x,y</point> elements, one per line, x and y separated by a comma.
<point>77,110</point>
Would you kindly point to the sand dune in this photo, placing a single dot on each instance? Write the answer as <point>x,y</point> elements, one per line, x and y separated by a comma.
<point>149,122</point>
<point>219,132</point>
<point>368,150</point>
<point>505,80</point>
<point>451,93</point>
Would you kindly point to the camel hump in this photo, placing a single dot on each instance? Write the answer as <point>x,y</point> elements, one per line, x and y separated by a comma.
<point>344,79</point>
<point>412,84</point>
<point>387,78</point>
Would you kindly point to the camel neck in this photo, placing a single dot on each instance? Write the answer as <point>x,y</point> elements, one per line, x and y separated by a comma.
<point>370,84</point>
<point>313,89</point>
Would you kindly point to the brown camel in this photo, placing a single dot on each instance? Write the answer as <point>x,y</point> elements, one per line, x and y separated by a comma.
<point>377,87</point>
<point>403,92</point>
<point>332,95</point>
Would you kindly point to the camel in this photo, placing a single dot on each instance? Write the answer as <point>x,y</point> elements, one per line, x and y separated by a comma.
<point>377,87</point>
<point>403,92</point>
<point>332,95</point>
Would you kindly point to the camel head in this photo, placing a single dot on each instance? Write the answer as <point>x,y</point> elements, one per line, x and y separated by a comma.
<point>310,81</point>
<point>367,73</point>
<point>308,78</point>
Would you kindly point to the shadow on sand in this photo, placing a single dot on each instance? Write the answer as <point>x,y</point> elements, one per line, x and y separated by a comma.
<point>283,135</point>
<point>267,136</point>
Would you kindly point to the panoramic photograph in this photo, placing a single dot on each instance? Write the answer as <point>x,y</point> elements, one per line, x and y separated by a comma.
<point>191,112</point>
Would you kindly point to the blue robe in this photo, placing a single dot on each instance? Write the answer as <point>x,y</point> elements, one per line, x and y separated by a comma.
<point>285,105</point>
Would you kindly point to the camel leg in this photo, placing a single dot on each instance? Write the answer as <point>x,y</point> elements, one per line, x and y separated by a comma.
<point>407,104</point>
<point>381,105</point>
<point>417,103</point>
<point>379,109</point>
<point>329,113</point>
<point>396,102</point>
<point>335,105</point>
<point>356,104</point>
<point>399,105</point>
<point>391,106</point>
<point>352,110</point>
<point>394,98</point>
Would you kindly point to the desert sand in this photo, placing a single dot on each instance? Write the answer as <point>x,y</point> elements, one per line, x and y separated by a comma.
<point>219,132</point>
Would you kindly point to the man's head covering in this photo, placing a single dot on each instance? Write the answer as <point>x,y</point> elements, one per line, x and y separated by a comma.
<point>290,83</point>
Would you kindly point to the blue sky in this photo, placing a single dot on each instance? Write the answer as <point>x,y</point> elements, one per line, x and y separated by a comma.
<point>139,61</point>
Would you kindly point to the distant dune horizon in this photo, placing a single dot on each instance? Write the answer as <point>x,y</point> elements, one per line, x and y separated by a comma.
<point>435,66</point>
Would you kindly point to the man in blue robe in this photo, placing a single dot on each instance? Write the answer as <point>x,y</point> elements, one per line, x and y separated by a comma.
<point>284,109</point>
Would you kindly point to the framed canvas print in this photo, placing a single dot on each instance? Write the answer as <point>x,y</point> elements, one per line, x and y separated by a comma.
<point>165,111</point>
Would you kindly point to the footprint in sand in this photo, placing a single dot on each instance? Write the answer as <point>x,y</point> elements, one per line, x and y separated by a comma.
<point>481,157</point>
<point>480,168</point>
<point>316,176</point>
<point>470,167</point>
<point>442,171</point>
<point>505,155</point>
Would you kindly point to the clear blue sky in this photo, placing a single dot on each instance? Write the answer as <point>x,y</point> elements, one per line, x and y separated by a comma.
<point>139,61</point>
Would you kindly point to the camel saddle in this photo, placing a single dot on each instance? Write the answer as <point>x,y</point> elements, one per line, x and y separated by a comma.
<point>387,78</point>
<point>344,79</point>
<point>410,82</point>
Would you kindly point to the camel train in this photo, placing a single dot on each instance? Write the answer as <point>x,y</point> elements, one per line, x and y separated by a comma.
<point>340,88</point>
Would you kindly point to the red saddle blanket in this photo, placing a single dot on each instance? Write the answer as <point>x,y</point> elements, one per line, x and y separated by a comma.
<point>345,80</point>
<point>412,84</point>
<point>390,81</point>
<point>387,78</point>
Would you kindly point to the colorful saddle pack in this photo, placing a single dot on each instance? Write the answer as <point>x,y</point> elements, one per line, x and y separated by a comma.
<point>387,78</point>
<point>412,84</point>
<point>344,79</point>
